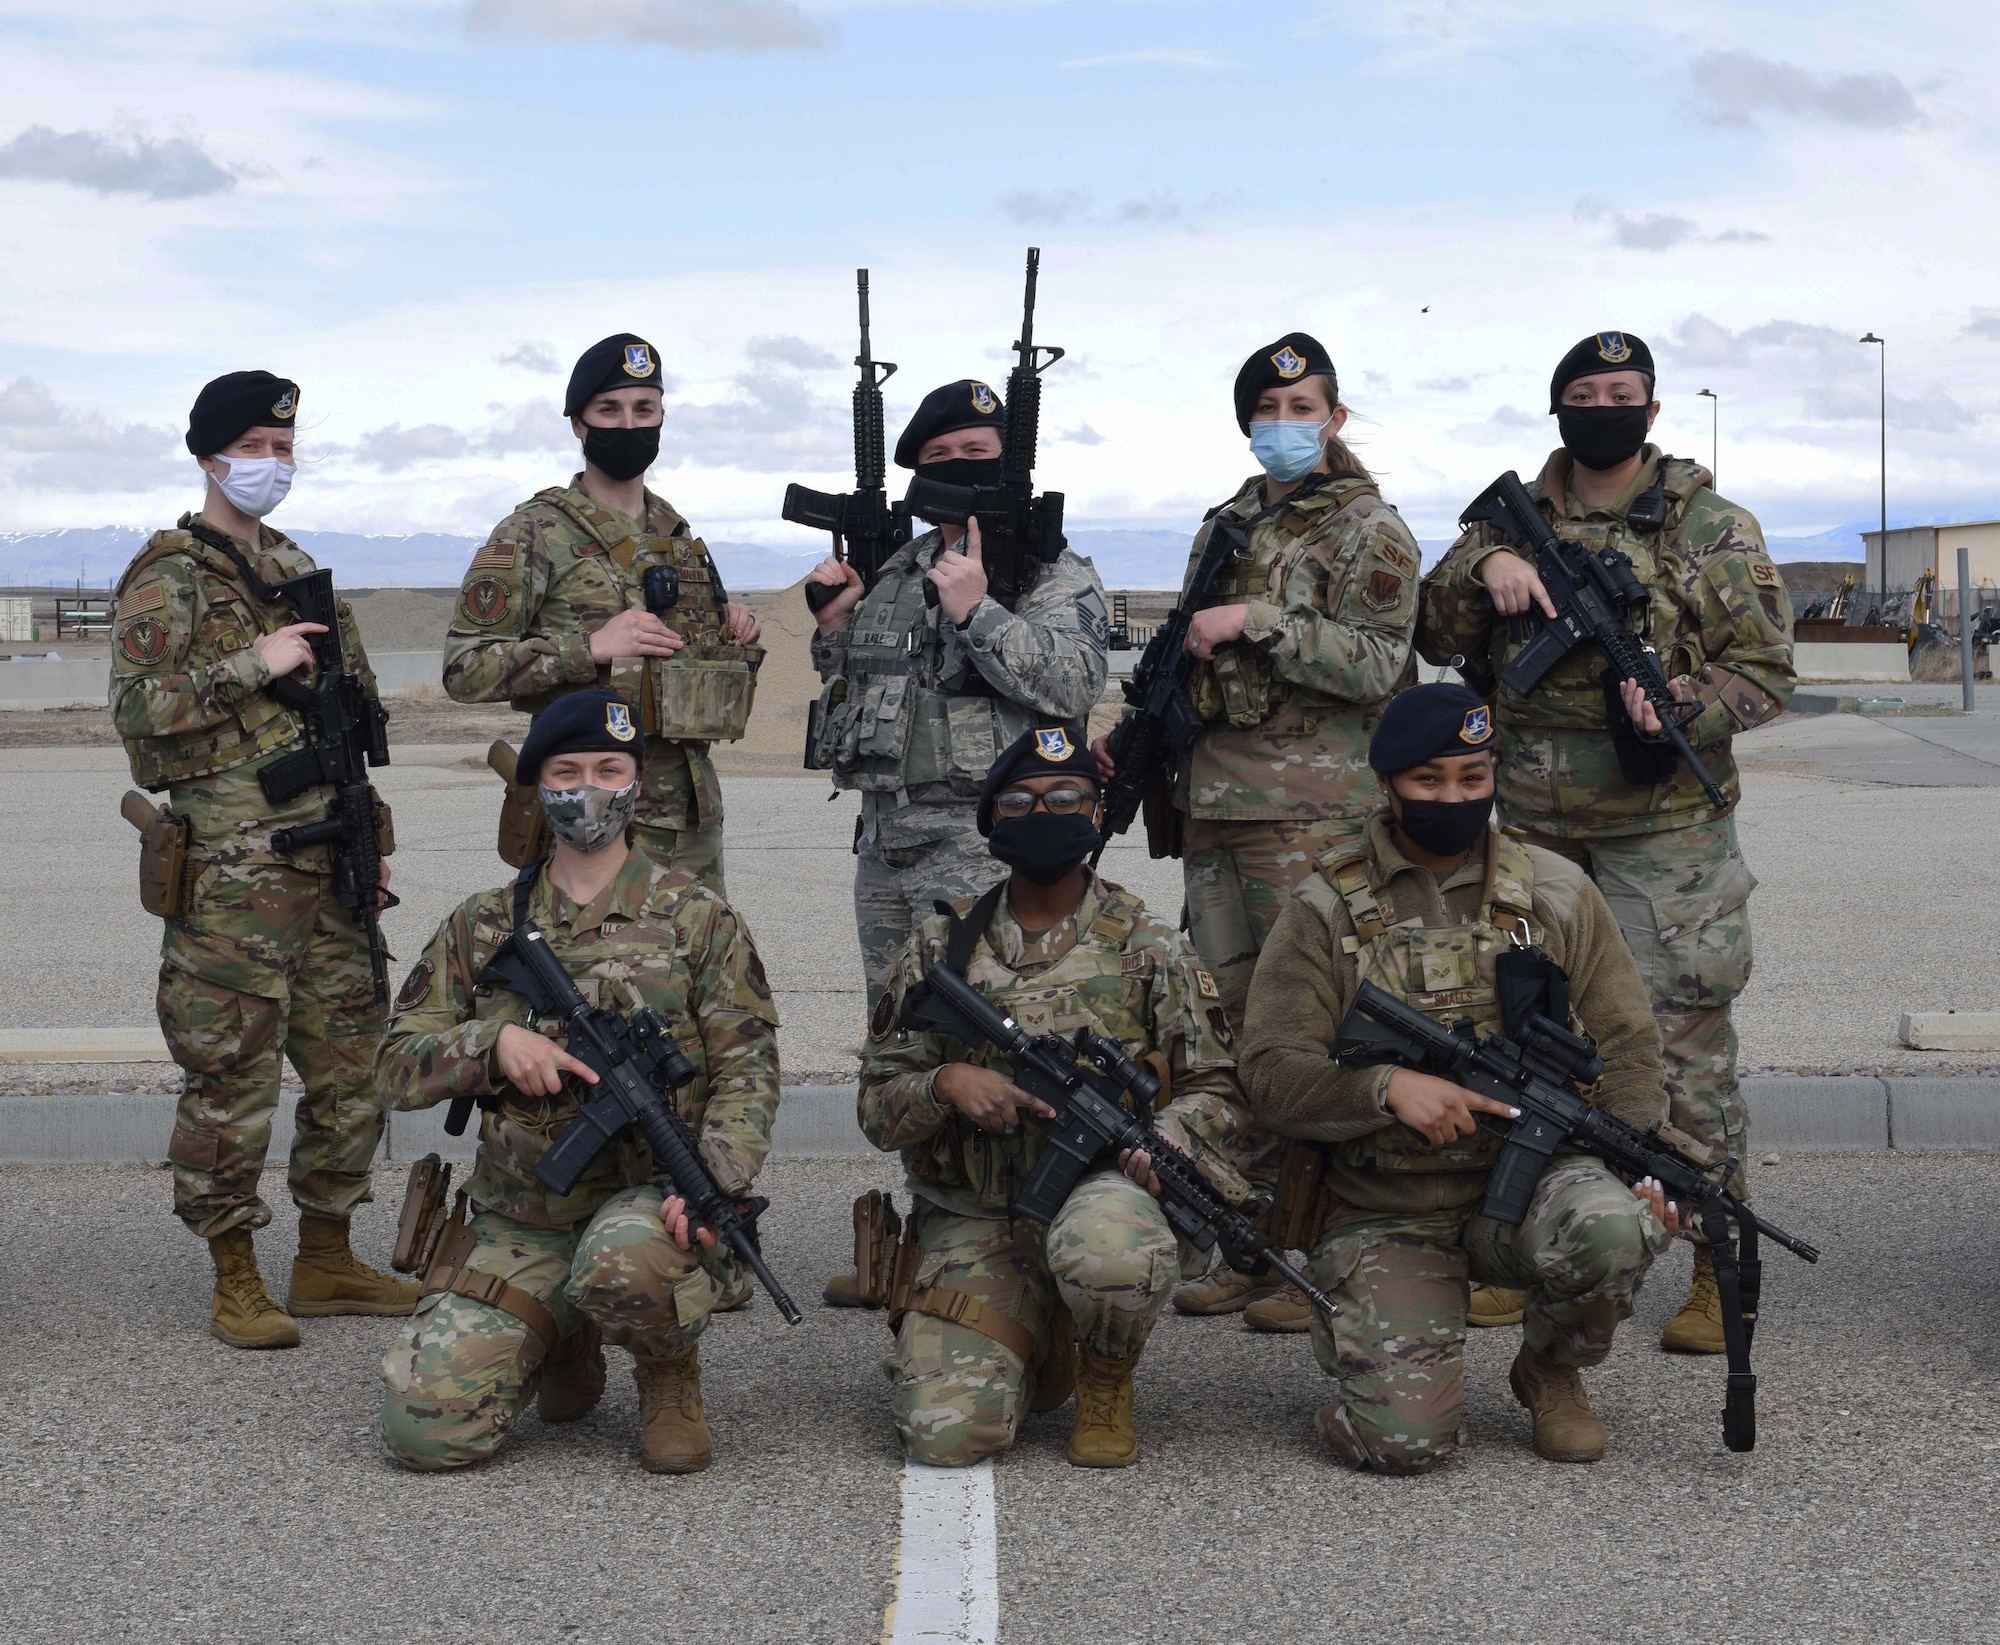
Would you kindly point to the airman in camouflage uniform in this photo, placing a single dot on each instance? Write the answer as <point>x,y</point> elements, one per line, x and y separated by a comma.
<point>1572,771</point>
<point>556,601</point>
<point>1404,1166</point>
<point>260,962</point>
<point>1301,641</point>
<point>920,698</point>
<point>996,1304</point>
<point>516,1306</point>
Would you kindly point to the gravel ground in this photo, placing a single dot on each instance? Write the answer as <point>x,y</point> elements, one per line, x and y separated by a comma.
<point>160,1487</point>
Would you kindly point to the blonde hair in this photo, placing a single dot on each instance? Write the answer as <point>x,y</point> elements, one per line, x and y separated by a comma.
<point>1339,454</point>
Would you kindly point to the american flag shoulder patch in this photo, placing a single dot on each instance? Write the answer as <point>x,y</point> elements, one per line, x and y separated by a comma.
<point>149,598</point>
<point>495,554</point>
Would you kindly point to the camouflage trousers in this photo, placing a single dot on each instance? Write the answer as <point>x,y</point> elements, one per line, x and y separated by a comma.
<point>460,1371</point>
<point>1103,1267</point>
<point>1238,878</point>
<point>1681,898</point>
<point>1397,1346</point>
<point>265,965</point>
<point>698,850</point>
<point>894,889</point>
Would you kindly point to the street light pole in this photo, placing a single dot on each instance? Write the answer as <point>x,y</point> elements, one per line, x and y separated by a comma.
<point>1883,357</point>
<point>1714,424</point>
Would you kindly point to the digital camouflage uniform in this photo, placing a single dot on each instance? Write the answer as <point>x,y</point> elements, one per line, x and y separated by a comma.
<point>1281,774</point>
<point>556,570</point>
<point>914,712</point>
<point>1108,1260</point>
<point>1401,1235</point>
<point>1670,869</point>
<point>460,1371</point>
<point>264,964</point>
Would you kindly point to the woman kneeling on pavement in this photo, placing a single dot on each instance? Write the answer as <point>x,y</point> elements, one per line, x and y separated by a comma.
<point>1422,907</point>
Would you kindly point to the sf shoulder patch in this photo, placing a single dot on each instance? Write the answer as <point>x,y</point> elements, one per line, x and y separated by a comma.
<point>1383,588</point>
<point>416,985</point>
<point>143,642</point>
<point>1204,985</point>
<point>486,601</point>
<point>1763,574</point>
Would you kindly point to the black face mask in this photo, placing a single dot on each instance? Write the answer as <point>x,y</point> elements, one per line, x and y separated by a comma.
<point>1042,847</point>
<point>1602,437</point>
<point>962,471</point>
<point>1445,828</point>
<point>622,453</point>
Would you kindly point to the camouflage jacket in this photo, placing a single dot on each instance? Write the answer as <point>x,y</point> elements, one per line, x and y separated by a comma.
<point>1369,913</point>
<point>654,936</point>
<point>1331,583</point>
<point>1719,615</point>
<point>188,688</point>
<point>1111,967</point>
<point>558,568</point>
<point>915,709</point>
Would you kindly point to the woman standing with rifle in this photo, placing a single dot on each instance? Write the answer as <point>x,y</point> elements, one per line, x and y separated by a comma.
<point>1297,639</point>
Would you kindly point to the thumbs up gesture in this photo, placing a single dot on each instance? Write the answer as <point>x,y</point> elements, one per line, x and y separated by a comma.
<point>960,578</point>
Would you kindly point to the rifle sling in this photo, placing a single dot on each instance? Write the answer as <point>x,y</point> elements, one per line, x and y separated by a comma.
<point>1738,1285</point>
<point>966,931</point>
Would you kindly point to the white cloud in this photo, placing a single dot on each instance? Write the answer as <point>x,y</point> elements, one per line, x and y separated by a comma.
<point>795,352</point>
<point>46,446</point>
<point>175,168</point>
<point>687,25</point>
<point>1082,435</point>
<point>536,357</point>
<point>1736,86</point>
<point>397,447</point>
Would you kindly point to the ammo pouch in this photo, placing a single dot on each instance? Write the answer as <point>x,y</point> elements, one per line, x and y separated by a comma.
<point>1237,685</point>
<point>524,829</point>
<point>1300,1207</point>
<point>385,828</point>
<point>704,691</point>
<point>883,1263</point>
<point>420,1229</point>
<point>1641,763</point>
<point>167,868</point>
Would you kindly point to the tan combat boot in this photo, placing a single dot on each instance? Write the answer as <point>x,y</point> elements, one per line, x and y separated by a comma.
<point>326,1278</point>
<point>675,1439</point>
<point>1102,1435</point>
<point>843,1291</point>
<point>1287,1311</point>
<point>1566,1428</point>
<point>573,1376</point>
<point>1697,1328</point>
<point>1493,1305</point>
<point>1224,1291</point>
<point>242,1313</point>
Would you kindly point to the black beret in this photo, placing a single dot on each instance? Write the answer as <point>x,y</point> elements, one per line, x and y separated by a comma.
<point>1038,752</point>
<point>1598,353</point>
<point>967,403</point>
<point>236,402</point>
<point>584,722</point>
<point>1428,720</point>
<point>1290,359</point>
<point>624,361</point>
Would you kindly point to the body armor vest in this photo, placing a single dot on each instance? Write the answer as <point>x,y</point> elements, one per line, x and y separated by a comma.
<point>704,692</point>
<point>892,720</point>
<point>230,621</point>
<point>1444,971</point>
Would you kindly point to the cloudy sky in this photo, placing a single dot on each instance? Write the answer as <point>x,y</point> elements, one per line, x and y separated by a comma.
<point>423,211</point>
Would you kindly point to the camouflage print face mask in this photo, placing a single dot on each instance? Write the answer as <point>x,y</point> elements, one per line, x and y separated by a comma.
<point>588,819</point>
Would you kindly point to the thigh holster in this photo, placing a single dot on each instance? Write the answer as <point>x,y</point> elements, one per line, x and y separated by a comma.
<point>448,1274</point>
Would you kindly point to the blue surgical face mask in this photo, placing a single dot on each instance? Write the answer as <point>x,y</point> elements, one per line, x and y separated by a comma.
<point>1287,451</point>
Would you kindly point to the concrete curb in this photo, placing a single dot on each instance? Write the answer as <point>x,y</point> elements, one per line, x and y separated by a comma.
<point>1838,1114</point>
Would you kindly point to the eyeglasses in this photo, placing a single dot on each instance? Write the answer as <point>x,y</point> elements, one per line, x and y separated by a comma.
<point>1057,802</point>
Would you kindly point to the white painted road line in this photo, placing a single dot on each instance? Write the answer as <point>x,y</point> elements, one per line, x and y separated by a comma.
<point>947,1584</point>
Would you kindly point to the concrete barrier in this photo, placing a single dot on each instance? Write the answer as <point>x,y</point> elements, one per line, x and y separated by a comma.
<point>1841,1114</point>
<point>1877,664</point>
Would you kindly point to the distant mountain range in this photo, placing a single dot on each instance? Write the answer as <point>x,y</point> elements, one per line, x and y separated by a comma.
<point>1124,559</point>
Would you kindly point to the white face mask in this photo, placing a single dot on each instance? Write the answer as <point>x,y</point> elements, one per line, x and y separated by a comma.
<point>256,485</point>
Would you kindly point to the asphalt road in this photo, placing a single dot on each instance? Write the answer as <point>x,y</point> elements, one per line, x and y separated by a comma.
<point>157,1486</point>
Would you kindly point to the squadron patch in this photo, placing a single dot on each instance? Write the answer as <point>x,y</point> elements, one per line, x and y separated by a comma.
<point>639,360</point>
<point>884,1018</point>
<point>1053,744</point>
<point>486,601</point>
<point>1289,363</point>
<point>1763,573</point>
<point>143,642</point>
<point>1383,587</point>
<point>618,721</point>
<point>416,985</point>
<point>1612,348</point>
<point>983,400</point>
<point>1478,726</point>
